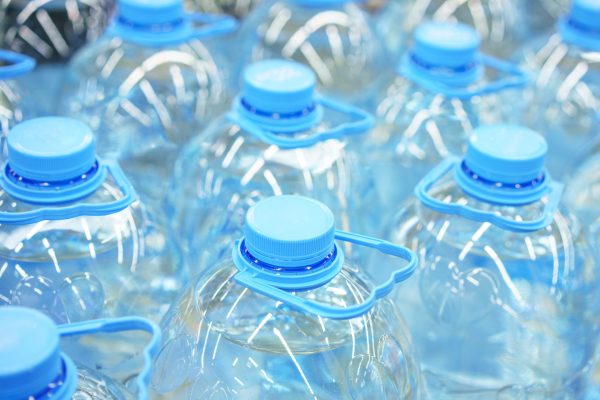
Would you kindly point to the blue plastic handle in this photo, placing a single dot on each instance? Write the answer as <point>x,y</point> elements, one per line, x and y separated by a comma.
<point>554,192</point>
<point>361,122</point>
<point>213,24</point>
<point>514,78</point>
<point>182,31</point>
<point>246,278</point>
<point>78,209</point>
<point>18,64</point>
<point>121,325</point>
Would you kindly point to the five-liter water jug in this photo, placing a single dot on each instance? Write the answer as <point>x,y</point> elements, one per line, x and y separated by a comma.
<point>12,66</point>
<point>285,313</point>
<point>280,137</point>
<point>335,38</point>
<point>443,89</point>
<point>49,31</point>
<point>502,24</point>
<point>236,8</point>
<point>542,15</point>
<point>564,103</point>
<point>75,241</point>
<point>34,365</point>
<point>504,301</point>
<point>583,190</point>
<point>150,84</point>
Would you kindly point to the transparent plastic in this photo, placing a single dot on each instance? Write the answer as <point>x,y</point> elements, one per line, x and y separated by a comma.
<point>222,340</point>
<point>583,189</point>
<point>93,386</point>
<point>417,128</point>
<point>498,313</point>
<point>144,103</point>
<point>10,112</point>
<point>90,386</point>
<point>237,8</point>
<point>50,31</point>
<point>500,23</point>
<point>89,266</point>
<point>543,14</point>
<point>226,170</point>
<point>563,103</point>
<point>336,40</point>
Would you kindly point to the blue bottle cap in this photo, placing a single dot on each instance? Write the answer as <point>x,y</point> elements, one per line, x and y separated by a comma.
<point>445,44</point>
<point>30,357</point>
<point>51,149</point>
<point>289,231</point>
<point>279,86</point>
<point>586,14</point>
<point>151,12</point>
<point>508,154</point>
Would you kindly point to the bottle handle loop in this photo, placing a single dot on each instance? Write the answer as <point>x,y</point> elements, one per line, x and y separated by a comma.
<point>247,278</point>
<point>121,325</point>
<point>513,77</point>
<point>51,211</point>
<point>553,191</point>
<point>360,122</point>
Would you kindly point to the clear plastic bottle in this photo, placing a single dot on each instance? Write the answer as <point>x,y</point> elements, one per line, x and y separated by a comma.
<point>149,84</point>
<point>500,23</point>
<point>12,66</point>
<point>286,314</point>
<point>336,39</point>
<point>34,366</point>
<point>444,88</point>
<point>237,8</point>
<point>280,137</point>
<point>76,242</point>
<point>542,15</point>
<point>504,302</point>
<point>564,101</point>
<point>583,189</point>
<point>50,31</point>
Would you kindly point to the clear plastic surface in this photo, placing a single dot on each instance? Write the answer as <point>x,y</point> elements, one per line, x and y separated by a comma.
<point>583,190</point>
<point>337,41</point>
<point>500,23</point>
<point>498,313</point>
<point>226,170</point>
<point>417,128</point>
<point>90,266</point>
<point>222,340</point>
<point>144,103</point>
<point>10,112</point>
<point>51,32</point>
<point>563,103</point>
<point>237,8</point>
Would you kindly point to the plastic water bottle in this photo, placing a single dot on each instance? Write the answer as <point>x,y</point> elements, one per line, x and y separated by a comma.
<point>236,8</point>
<point>150,84</point>
<point>583,191</point>
<point>444,88</point>
<point>12,66</point>
<point>279,137</point>
<point>501,23</point>
<point>336,39</point>
<point>564,102</point>
<point>76,242</point>
<point>286,314</point>
<point>504,301</point>
<point>50,31</point>
<point>543,14</point>
<point>34,366</point>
